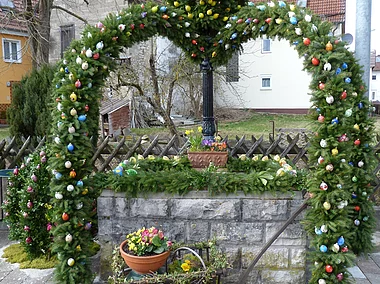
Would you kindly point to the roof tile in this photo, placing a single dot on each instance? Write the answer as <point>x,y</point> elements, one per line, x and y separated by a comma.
<point>331,10</point>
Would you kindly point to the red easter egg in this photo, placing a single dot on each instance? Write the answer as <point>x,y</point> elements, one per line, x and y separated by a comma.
<point>306,41</point>
<point>268,20</point>
<point>65,216</point>
<point>321,86</point>
<point>343,96</point>
<point>315,61</point>
<point>328,268</point>
<point>357,142</point>
<point>357,208</point>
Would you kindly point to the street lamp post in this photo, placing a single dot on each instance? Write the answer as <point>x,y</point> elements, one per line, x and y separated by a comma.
<point>208,123</point>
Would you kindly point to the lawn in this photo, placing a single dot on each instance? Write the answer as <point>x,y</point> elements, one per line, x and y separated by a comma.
<point>256,124</point>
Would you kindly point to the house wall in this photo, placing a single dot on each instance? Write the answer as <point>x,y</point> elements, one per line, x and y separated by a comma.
<point>241,224</point>
<point>12,72</point>
<point>375,86</point>
<point>290,85</point>
<point>94,12</point>
<point>119,119</point>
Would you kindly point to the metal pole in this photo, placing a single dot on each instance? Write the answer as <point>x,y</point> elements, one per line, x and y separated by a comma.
<point>363,38</point>
<point>208,123</point>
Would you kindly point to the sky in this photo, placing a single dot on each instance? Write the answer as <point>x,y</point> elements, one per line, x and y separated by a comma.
<point>375,23</point>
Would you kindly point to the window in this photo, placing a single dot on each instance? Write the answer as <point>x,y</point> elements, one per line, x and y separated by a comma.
<point>67,35</point>
<point>266,82</point>
<point>11,50</point>
<point>265,45</point>
<point>373,95</point>
<point>373,77</point>
<point>232,68</point>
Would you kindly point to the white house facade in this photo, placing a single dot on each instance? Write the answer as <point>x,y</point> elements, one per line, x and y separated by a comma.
<point>270,73</point>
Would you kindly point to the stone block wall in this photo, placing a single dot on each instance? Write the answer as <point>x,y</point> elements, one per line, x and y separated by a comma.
<point>241,225</point>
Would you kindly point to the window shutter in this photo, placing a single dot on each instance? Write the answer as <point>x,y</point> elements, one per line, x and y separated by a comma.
<point>232,68</point>
<point>67,35</point>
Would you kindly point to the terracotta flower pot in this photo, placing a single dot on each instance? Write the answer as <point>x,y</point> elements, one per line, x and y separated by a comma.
<point>203,159</point>
<point>144,264</point>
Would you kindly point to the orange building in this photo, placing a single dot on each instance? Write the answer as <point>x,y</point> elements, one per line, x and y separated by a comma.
<point>15,59</point>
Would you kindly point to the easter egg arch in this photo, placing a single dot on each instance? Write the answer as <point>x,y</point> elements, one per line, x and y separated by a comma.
<point>340,154</point>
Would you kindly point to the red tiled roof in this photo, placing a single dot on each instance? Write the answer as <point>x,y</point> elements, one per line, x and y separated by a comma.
<point>9,22</point>
<point>331,10</point>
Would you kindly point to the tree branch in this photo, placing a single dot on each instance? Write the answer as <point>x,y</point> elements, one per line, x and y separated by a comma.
<point>70,13</point>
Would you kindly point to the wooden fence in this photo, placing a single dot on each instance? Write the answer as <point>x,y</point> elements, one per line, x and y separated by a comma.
<point>109,152</point>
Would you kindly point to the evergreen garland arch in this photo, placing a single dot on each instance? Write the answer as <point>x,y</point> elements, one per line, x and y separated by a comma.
<point>340,219</point>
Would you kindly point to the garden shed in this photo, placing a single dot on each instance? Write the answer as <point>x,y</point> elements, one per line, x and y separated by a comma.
<point>114,116</point>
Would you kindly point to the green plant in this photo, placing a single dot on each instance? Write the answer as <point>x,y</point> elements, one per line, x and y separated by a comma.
<point>216,265</point>
<point>27,205</point>
<point>147,242</point>
<point>198,143</point>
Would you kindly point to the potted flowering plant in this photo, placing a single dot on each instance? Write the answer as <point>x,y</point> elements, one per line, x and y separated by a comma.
<point>202,151</point>
<point>145,250</point>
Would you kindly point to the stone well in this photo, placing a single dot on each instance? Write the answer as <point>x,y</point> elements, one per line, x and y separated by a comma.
<point>241,224</point>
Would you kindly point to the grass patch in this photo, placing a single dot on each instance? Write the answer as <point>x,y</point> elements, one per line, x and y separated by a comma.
<point>15,254</point>
<point>4,133</point>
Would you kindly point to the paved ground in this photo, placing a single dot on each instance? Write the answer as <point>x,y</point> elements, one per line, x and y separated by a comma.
<point>367,270</point>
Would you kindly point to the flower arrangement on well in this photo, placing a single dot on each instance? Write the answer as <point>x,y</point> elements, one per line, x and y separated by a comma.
<point>145,242</point>
<point>198,143</point>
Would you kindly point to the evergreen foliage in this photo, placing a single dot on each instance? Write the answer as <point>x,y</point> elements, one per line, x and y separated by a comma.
<point>340,218</point>
<point>27,206</point>
<point>29,112</point>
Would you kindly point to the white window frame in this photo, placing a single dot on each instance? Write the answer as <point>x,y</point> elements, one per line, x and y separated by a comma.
<point>374,77</point>
<point>10,41</point>
<point>265,77</point>
<point>263,50</point>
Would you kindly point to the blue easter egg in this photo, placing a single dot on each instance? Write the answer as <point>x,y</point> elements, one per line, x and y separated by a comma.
<point>281,4</point>
<point>234,36</point>
<point>351,164</point>
<point>335,121</point>
<point>82,117</point>
<point>220,41</point>
<point>58,175</point>
<point>261,7</point>
<point>233,46</point>
<point>118,171</point>
<point>338,71</point>
<point>251,4</point>
<point>293,20</point>
<point>354,196</point>
<point>233,18</point>
<point>248,21</point>
<point>89,85</point>
<point>344,65</point>
<point>163,9</point>
<point>57,86</point>
<point>262,28</point>
<point>366,145</point>
<point>143,14</point>
<point>70,147</point>
<point>360,105</point>
<point>340,241</point>
<point>318,231</point>
<point>347,80</point>
<point>79,183</point>
<point>323,248</point>
<point>318,109</point>
<point>339,186</point>
<point>365,218</point>
<point>295,42</point>
<point>66,70</point>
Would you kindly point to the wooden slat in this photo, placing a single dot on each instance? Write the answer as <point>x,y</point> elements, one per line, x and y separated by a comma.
<point>150,147</point>
<point>256,145</point>
<point>165,150</point>
<point>20,153</point>
<point>113,154</point>
<point>238,144</point>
